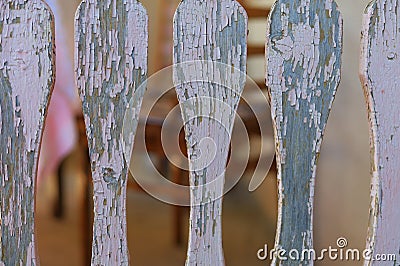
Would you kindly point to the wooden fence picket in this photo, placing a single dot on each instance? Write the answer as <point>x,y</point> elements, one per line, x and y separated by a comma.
<point>380,76</point>
<point>26,81</point>
<point>111,66</point>
<point>303,55</point>
<point>215,34</point>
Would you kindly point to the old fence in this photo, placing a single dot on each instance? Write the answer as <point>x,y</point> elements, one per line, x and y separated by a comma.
<point>303,60</point>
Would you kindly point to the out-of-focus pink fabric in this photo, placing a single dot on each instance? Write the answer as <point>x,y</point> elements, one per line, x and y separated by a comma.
<point>60,133</point>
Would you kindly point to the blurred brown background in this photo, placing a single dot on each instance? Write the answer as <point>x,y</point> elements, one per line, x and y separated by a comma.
<point>342,186</point>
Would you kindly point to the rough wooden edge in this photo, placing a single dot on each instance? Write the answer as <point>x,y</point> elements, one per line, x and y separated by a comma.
<point>375,192</point>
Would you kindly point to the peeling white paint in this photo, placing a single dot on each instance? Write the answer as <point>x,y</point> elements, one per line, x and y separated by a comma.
<point>297,81</point>
<point>214,33</point>
<point>26,82</point>
<point>111,39</point>
<point>380,77</point>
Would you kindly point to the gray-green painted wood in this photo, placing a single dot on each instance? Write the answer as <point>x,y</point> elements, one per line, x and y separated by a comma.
<point>111,65</point>
<point>26,81</point>
<point>303,54</point>
<point>210,50</point>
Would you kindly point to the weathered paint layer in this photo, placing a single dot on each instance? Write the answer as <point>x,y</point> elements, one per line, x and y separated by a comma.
<point>209,90</point>
<point>26,81</point>
<point>380,76</point>
<point>303,54</point>
<point>111,42</point>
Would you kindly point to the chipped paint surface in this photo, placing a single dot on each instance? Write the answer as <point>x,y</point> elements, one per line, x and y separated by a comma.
<point>303,53</point>
<point>208,91</point>
<point>111,42</point>
<point>380,76</point>
<point>26,81</point>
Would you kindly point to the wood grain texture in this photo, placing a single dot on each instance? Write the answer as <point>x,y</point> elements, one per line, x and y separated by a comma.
<point>213,32</point>
<point>26,82</point>
<point>111,41</point>
<point>303,54</point>
<point>380,76</point>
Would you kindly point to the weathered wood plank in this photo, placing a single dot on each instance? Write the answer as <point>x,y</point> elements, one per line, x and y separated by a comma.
<point>303,54</point>
<point>213,33</point>
<point>111,64</point>
<point>26,81</point>
<point>380,76</point>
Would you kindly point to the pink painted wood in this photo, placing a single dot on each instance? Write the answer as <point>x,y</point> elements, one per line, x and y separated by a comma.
<point>210,49</point>
<point>380,76</point>
<point>26,82</point>
<point>111,66</point>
